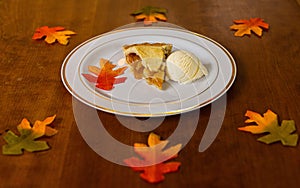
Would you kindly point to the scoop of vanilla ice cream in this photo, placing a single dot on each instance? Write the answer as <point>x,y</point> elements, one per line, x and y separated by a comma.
<point>184,67</point>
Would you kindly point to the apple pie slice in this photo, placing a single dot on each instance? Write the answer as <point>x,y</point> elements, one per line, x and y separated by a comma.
<point>147,60</point>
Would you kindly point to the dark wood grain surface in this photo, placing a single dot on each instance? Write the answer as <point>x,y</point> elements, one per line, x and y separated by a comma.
<point>267,78</point>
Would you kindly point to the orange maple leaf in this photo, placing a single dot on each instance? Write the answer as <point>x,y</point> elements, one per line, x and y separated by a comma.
<point>244,27</point>
<point>150,14</point>
<point>106,76</point>
<point>268,119</point>
<point>53,34</point>
<point>153,165</point>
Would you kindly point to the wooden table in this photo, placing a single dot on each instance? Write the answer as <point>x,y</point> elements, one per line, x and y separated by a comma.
<point>267,78</point>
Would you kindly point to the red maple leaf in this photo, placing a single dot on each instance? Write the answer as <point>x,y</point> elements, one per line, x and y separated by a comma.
<point>106,76</point>
<point>153,164</point>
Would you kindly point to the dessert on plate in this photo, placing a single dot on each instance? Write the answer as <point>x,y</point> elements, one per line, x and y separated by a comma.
<point>147,60</point>
<point>156,62</point>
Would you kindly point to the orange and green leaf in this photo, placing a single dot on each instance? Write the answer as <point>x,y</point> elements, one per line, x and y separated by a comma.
<point>268,123</point>
<point>28,135</point>
<point>244,27</point>
<point>153,164</point>
<point>150,14</point>
<point>105,76</point>
<point>53,34</point>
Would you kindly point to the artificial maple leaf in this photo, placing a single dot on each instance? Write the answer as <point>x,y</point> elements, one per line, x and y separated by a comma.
<point>53,34</point>
<point>268,123</point>
<point>244,27</point>
<point>153,165</point>
<point>105,75</point>
<point>26,140</point>
<point>150,14</point>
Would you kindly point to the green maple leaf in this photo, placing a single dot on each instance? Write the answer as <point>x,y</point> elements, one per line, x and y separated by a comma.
<point>150,14</point>
<point>282,133</point>
<point>268,123</point>
<point>149,10</point>
<point>26,141</point>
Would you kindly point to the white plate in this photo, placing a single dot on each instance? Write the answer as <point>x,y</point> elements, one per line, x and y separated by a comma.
<point>136,97</point>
